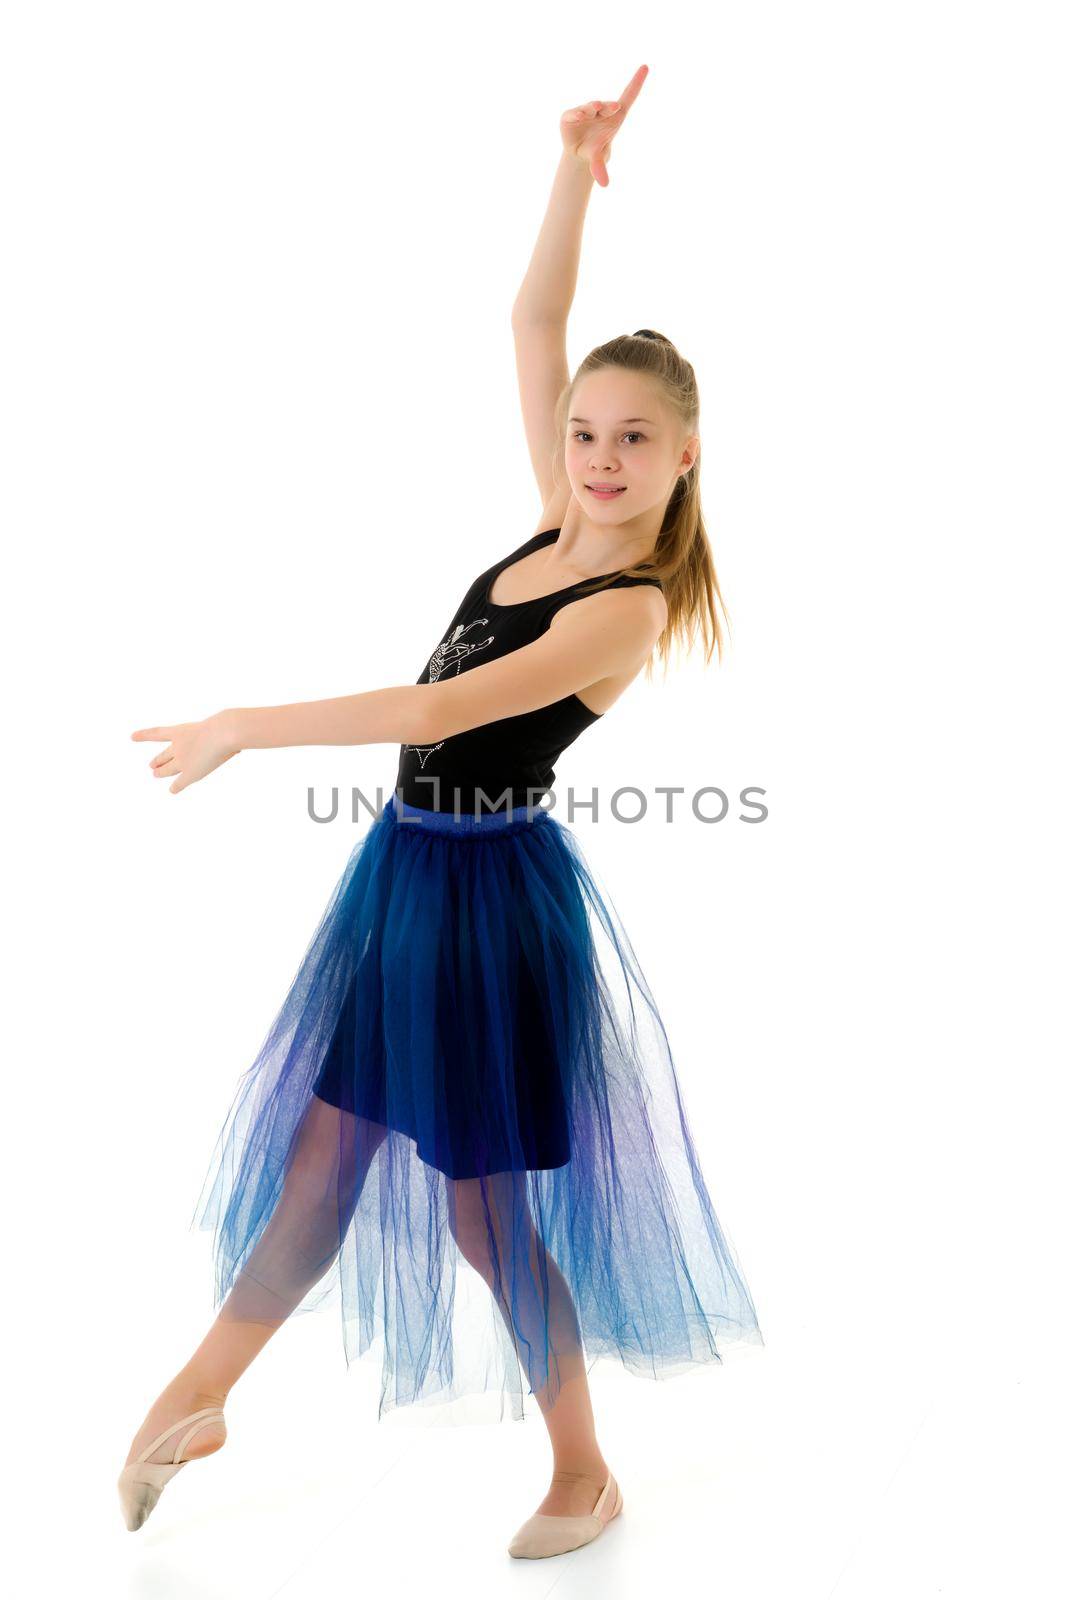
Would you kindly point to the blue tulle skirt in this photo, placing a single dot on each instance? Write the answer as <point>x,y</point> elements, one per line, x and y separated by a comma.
<point>464,1126</point>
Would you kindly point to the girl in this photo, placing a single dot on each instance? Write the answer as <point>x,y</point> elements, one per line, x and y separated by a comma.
<point>469,1070</point>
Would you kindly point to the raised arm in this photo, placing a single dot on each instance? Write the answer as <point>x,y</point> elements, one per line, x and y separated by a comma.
<point>539,322</point>
<point>542,305</point>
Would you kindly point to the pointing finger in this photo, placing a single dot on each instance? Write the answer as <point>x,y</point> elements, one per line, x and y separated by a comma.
<point>633,88</point>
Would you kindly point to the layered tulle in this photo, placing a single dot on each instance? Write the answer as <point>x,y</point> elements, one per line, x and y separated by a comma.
<point>464,1126</point>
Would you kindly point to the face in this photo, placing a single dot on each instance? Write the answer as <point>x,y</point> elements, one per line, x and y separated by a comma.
<point>621,434</point>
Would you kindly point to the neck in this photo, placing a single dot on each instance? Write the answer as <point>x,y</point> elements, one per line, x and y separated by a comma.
<point>592,548</point>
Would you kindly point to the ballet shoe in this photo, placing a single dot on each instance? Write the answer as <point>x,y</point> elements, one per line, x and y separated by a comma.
<point>141,1482</point>
<point>545,1535</point>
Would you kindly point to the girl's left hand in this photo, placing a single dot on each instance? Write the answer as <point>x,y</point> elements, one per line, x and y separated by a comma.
<point>195,749</point>
<point>588,130</point>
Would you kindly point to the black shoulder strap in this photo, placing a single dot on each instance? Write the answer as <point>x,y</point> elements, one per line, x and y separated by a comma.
<point>556,602</point>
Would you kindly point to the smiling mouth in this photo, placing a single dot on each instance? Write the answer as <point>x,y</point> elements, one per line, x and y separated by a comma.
<point>606,488</point>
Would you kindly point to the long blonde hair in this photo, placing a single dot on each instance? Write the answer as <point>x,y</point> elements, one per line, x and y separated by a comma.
<point>682,558</point>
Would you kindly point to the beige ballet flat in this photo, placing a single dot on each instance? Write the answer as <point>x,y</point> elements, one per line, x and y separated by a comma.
<point>142,1482</point>
<point>544,1535</point>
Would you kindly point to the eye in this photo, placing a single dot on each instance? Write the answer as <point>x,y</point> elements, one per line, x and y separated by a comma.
<point>633,434</point>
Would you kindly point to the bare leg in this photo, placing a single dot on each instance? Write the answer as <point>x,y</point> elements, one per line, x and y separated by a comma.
<point>482,1223</point>
<point>322,1184</point>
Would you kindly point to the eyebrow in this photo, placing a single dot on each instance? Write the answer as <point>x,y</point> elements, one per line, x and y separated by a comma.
<point>621,424</point>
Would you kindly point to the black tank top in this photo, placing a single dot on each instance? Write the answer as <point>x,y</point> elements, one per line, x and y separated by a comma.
<point>510,761</point>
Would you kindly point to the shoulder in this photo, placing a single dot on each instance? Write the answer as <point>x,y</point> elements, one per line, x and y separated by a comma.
<point>485,579</point>
<point>646,598</point>
<point>650,588</point>
<point>527,547</point>
<point>637,607</point>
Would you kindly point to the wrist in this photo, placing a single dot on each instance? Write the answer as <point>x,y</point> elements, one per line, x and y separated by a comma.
<point>229,727</point>
<point>576,165</point>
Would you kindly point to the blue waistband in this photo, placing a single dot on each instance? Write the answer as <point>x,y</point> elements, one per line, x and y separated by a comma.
<point>418,819</point>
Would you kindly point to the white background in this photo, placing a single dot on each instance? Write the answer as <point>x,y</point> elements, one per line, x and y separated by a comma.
<point>260,429</point>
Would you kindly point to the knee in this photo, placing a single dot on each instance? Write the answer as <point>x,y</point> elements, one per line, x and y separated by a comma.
<point>490,1228</point>
<point>330,1157</point>
<point>473,1233</point>
<point>480,1256</point>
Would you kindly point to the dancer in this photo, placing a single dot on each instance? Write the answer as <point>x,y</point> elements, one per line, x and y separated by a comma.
<point>469,1085</point>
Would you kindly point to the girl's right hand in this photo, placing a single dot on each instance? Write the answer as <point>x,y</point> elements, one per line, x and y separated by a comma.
<point>195,749</point>
<point>587,131</point>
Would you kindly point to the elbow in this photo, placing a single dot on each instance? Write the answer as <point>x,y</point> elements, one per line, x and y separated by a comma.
<point>523,316</point>
<point>432,723</point>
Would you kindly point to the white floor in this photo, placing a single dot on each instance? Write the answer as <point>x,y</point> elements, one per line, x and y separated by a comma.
<point>850,1462</point>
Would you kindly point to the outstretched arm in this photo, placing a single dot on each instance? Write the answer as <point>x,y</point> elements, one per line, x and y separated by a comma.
<point>616,632</point>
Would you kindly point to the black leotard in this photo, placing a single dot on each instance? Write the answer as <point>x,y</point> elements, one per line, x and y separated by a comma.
<point>510,761</point>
